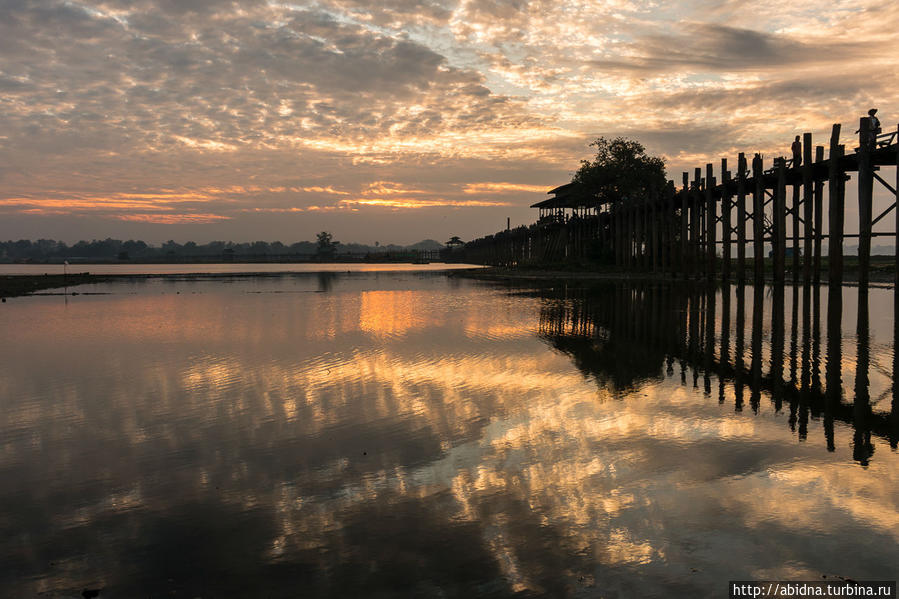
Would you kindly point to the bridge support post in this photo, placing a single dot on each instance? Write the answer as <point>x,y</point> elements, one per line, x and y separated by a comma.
<point>710,220</point>
<point>741,217</point>
<point>865,198</point>
<point>836,191</point>
<point>684,220</point>
<point>725,221</point>
<point>807,208</point>
<point>819,214</point>
<point>696,222</point>
<point>779,221</point>
<point>758,220</point>
<point>795,221</point>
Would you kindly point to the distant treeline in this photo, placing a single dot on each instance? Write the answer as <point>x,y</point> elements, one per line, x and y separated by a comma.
<point>115,249</point>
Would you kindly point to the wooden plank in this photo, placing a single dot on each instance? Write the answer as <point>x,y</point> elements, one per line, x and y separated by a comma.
<point>835,190</point>
<point>819,217</point>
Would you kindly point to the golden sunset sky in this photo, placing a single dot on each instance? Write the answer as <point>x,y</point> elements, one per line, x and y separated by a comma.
<point>397,120</point>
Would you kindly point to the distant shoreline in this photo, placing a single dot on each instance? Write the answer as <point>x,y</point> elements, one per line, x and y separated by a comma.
<point>18,285</point>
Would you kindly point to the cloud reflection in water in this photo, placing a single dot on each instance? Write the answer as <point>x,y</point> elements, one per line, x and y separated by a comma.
<point>404,434</point>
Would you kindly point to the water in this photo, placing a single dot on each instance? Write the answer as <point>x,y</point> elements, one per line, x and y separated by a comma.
<point>410,434</point>
<point>220,269</point>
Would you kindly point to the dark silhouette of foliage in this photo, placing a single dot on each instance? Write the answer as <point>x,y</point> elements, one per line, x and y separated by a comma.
<point>621,170</point>
<point>44,250</point>
<point>325,244</point>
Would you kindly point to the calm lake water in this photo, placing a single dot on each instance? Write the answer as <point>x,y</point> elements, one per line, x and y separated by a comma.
<point>398,434</point>
<point>221,269</point>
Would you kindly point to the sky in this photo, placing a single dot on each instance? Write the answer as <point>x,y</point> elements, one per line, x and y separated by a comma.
<point>397,120</point>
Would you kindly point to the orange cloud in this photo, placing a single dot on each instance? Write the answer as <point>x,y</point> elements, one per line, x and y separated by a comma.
<point>171,219</point>
<point>317,189</point>
<point>416,203</point>
<point>472,188</point>
<point>390,188</point>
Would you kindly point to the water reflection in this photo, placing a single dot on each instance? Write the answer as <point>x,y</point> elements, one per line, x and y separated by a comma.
<point>578,325</point>
<point>411,435</point>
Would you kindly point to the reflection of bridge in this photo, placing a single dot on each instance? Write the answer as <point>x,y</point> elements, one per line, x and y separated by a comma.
<point>622,334</point>
<point>683,231</point>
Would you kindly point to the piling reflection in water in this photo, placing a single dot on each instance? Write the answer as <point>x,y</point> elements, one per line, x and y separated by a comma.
<point>599,338</point>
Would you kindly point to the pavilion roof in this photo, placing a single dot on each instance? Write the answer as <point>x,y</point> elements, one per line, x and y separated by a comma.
<point>570,195</point>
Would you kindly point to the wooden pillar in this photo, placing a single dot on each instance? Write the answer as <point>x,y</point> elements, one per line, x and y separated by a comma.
<point>630,236</point>
<point>819,216</point>
<point>613,235</point>
<point>807,208</point>
<point>660,220</point>
<point>654,231</point>
<point>741,217</point>
<point>896,288</point>
<point>758,219</point>
<point>710,221</point>
<point>618,215</point>
<point>638,234</point>
<point>725,220</point>
<point>795,221</point>
<point>684,218</point>
<point>644,226</point>
<point>865,198</point>
<point>696,223</point>
<point>836,187</point>
<point>670,224</point>
<point>779,221</point>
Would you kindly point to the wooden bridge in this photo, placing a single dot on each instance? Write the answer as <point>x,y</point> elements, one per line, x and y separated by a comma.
<point>712,224</point>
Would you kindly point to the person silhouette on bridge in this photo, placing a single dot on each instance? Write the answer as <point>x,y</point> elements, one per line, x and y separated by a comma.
<point>873,129</point>
<point>797,152</point>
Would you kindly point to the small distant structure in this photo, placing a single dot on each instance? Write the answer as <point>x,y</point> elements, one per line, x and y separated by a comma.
<point>455,243</point>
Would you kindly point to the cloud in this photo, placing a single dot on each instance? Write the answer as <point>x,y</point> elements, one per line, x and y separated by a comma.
<point>297,105</point>
<point>713,47</point>
<point>477,188</point>
<point>422,203</point>
<point>171,219</point>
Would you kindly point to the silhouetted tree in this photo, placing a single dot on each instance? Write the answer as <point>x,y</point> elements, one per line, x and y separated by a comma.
<point>325,244</point>
<point>621,171</point>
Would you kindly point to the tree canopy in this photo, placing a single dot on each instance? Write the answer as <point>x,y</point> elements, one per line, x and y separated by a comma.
<point>621,171</point>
